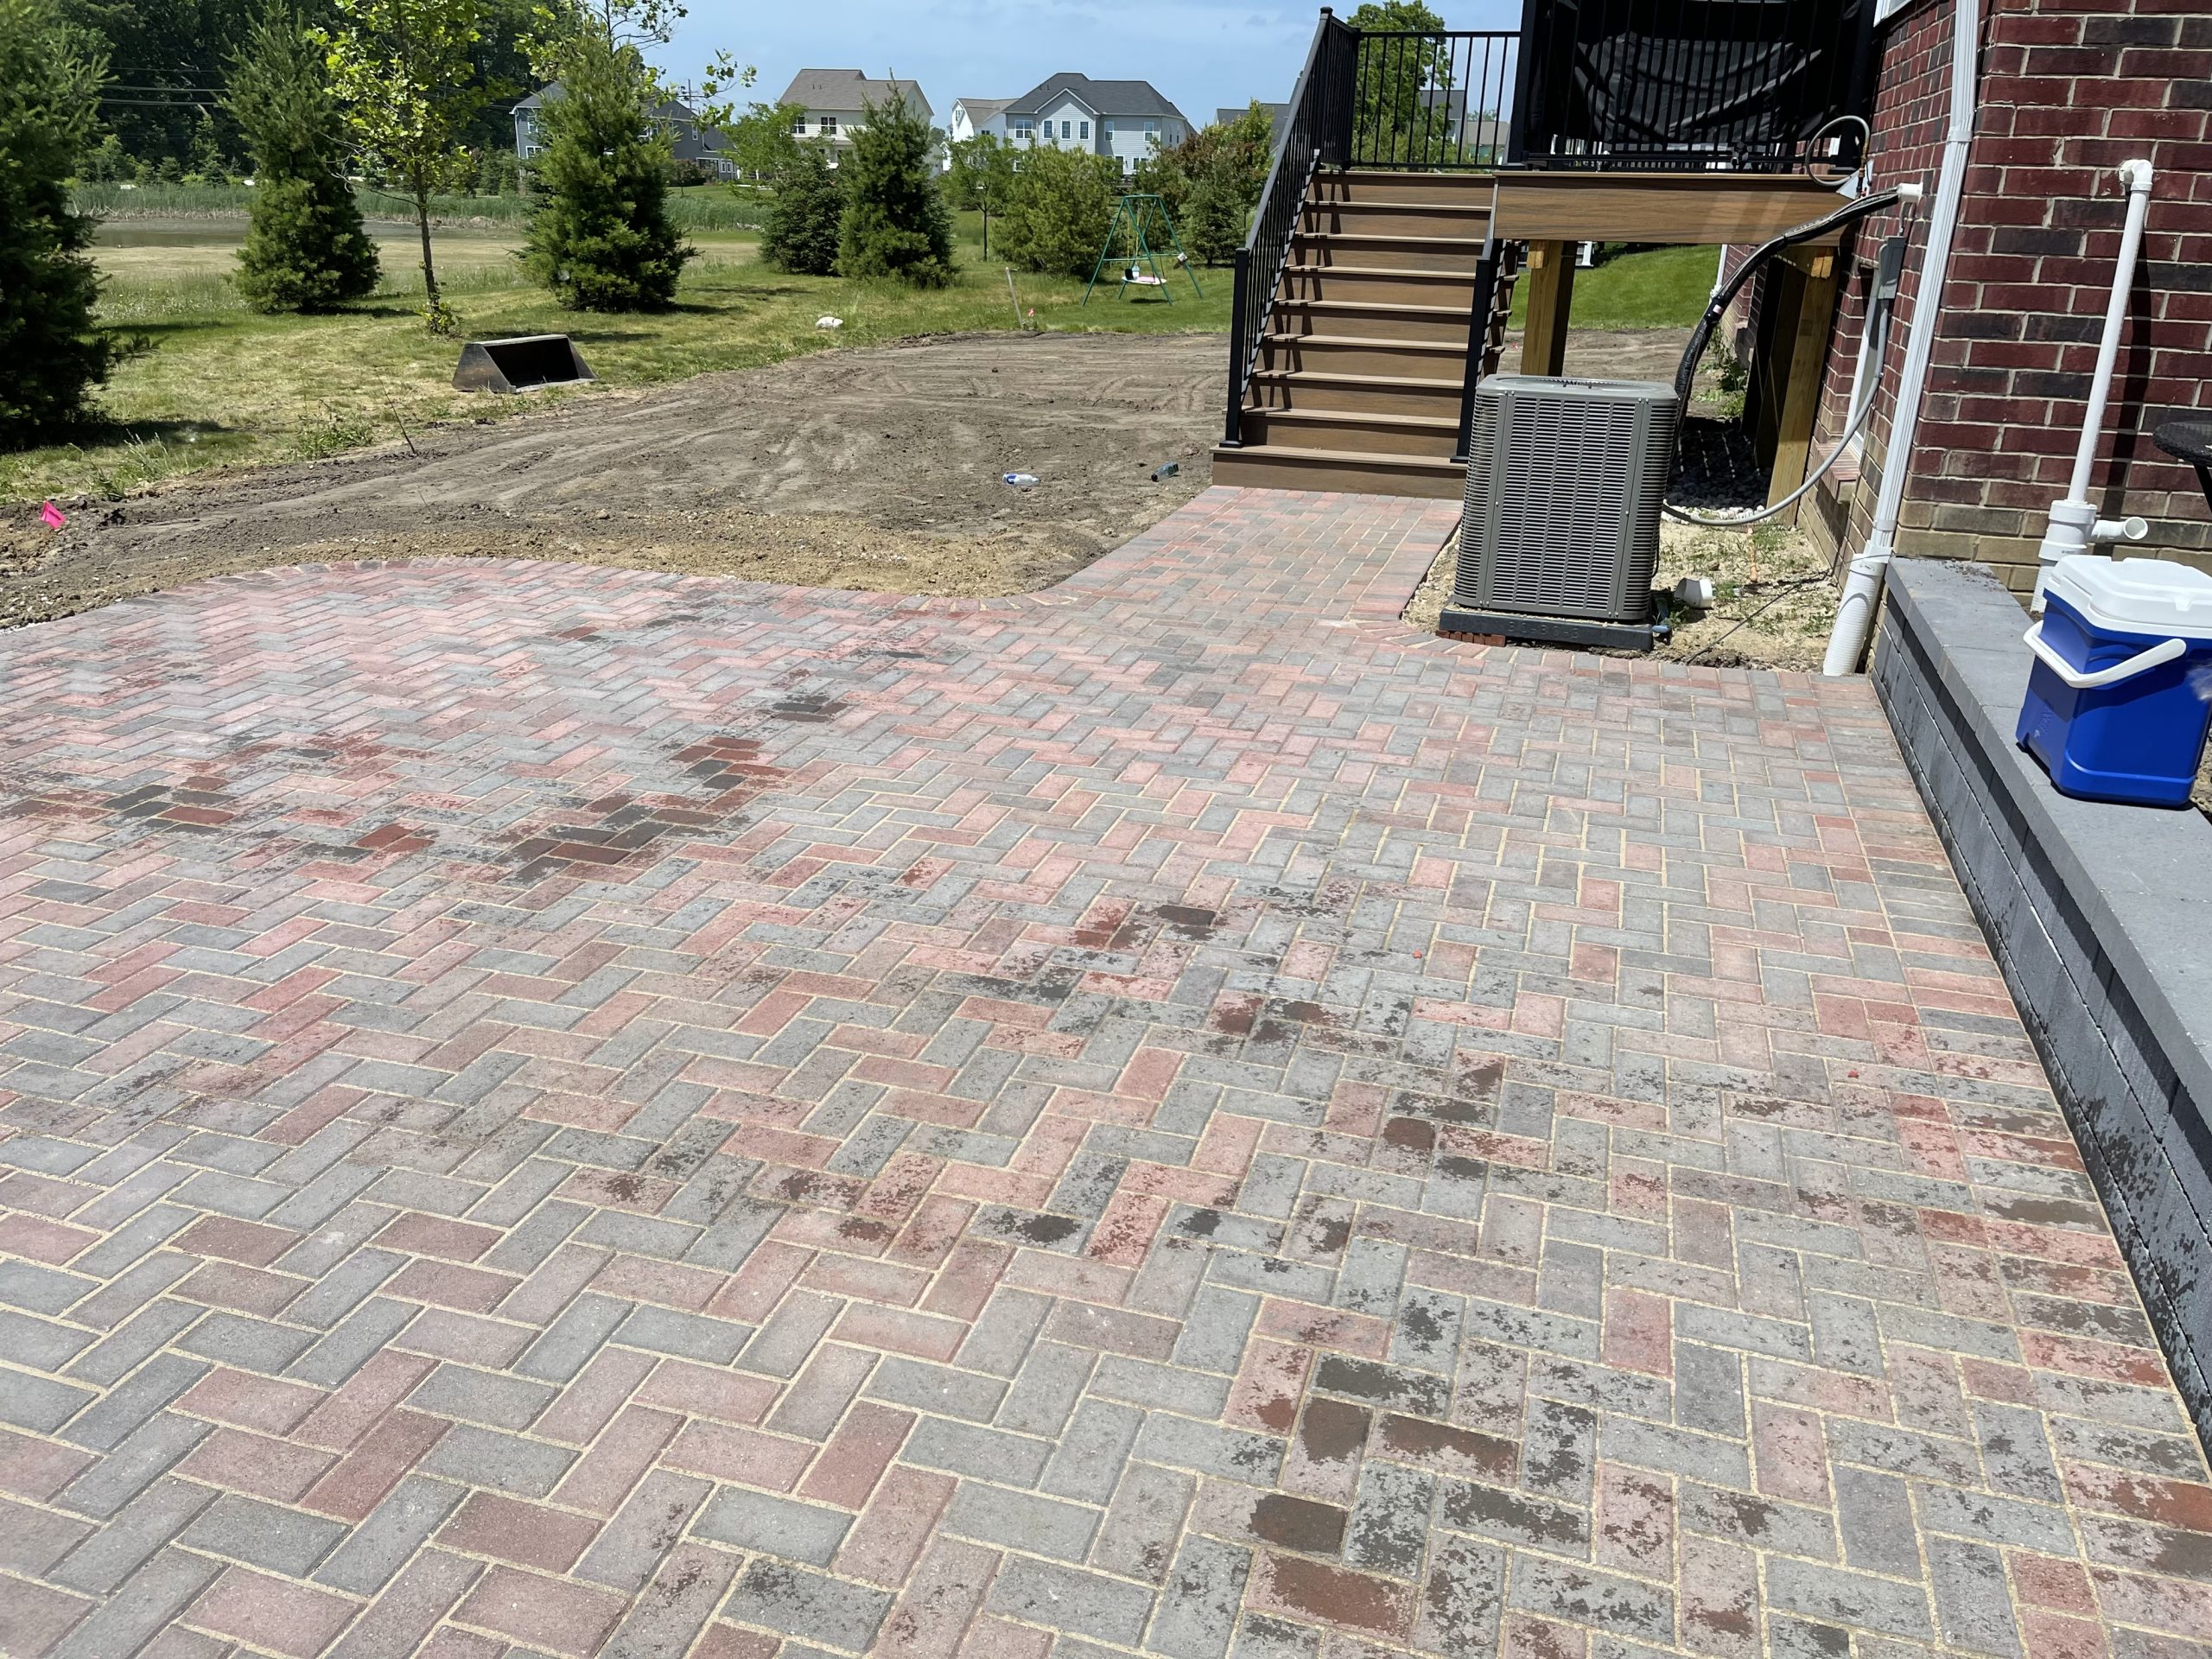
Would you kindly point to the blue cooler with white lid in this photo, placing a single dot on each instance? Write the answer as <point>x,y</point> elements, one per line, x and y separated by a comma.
<point>2121,694</point>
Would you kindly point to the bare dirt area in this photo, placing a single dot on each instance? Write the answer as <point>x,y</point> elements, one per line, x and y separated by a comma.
<point>878,469</point>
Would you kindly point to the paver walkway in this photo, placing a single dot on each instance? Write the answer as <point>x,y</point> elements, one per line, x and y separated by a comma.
<point>571,1110</point>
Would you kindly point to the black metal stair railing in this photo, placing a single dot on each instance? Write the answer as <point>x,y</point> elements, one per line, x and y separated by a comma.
<point>1692,86</point>
<point>1433,99</point>
<point>1313,134</point>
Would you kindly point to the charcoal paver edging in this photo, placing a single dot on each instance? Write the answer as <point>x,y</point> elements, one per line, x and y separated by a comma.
<point>627,1114</point>
<point>2101,918</point>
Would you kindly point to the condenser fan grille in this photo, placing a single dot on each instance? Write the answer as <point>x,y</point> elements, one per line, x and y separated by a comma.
<point>1564,480</point>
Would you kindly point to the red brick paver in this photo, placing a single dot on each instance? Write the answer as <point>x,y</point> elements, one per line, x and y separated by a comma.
<point>569,1111</point>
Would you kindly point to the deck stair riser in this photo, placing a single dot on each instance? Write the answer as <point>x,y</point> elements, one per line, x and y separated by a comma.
<point>1310,248</point>
<point>1354,284</point>
<point>1396,218</point>
<point>1411,360</point>
<point>1461,189</point>
<point>1273,389</point>
<point>1373,320</point>
<point>1365,431</point>
<point>1324,469</point>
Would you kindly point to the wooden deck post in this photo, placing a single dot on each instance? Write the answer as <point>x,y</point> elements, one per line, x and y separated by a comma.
<point>1551,294</point>
<point>1807,334</point>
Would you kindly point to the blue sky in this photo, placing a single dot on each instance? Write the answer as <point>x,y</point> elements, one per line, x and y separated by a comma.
<point>1202,54</point>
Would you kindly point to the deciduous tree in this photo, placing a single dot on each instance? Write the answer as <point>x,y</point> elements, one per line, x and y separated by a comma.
<point>404,73</point>
<point>1059,210</point>
<point>1387,98</point>
<point>980,178</point>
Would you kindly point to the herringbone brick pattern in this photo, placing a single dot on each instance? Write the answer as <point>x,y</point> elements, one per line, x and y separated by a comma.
<point>564,1111</point>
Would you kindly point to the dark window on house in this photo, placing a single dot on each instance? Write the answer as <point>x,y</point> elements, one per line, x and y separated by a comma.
<point>829,126</point>
<point>1085,133</point>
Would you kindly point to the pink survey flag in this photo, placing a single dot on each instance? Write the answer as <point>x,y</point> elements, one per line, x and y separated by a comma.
<point>52,515</point>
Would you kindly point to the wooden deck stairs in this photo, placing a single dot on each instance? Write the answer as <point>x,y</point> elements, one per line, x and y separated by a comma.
<point>1362,363</point>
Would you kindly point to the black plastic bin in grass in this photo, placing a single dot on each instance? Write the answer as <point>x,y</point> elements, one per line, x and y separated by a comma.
<point>522,363</point>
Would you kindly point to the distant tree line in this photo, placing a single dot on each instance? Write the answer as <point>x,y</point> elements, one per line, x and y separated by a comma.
<point>165,113</point>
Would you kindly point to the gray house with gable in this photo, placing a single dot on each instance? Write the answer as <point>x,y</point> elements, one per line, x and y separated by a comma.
<point>1121,118</point>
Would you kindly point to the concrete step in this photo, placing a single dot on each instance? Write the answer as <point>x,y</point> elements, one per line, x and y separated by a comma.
<point>1381,394</point>
<point>1277,467</point>
<point>1353,431</point>
<point>1374,319</point>
<point>1352,353</point>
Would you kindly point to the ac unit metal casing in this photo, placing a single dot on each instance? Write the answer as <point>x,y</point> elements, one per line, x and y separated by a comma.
<point>1564,480</point>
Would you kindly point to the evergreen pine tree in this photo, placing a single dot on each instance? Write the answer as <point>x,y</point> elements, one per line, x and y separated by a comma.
<point>305,247</point>
<point>896,223</point>
<point>803,221</point>
<point>600,236</point>
<point>51,352</point>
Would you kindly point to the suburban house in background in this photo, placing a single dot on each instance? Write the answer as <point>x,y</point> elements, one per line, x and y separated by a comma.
<point>972,117</point>
<point>693,147</point>
<point>836,101</point>
<point>1277,114</point>
<point>1121,118</point>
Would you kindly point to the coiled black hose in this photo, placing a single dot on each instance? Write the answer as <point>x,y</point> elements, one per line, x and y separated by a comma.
<point>1686,376</point>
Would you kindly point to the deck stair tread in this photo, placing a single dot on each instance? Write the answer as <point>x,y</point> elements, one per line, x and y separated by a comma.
<point>1396,274</point>
<point>1350,458</point>
<point>1442,347</point>
<point>1356,417</point>
<point>1388,238</point>
<point>1322,377</point>
<point>1394,307</point>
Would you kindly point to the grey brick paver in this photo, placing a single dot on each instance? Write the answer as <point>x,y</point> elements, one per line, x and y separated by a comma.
<point>558,1109</point>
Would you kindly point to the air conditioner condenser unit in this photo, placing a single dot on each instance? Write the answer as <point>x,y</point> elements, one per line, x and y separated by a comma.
<point>1560,535</point>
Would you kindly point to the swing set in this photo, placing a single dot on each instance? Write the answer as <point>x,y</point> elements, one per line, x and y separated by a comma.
<point>1143,268</point>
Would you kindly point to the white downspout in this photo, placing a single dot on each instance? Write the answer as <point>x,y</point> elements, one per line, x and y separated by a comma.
<point>2074,525</point>
<point>1862,588</point>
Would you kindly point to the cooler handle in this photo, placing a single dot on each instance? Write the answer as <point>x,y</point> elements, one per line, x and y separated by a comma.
<point>2165,651</point>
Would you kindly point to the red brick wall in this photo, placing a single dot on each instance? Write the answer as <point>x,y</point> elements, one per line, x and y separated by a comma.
<point>2068,91</point>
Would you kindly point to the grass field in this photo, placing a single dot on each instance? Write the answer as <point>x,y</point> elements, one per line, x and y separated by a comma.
<point>221,384</point>
<point>694,208</point>
<point>1660,287</point>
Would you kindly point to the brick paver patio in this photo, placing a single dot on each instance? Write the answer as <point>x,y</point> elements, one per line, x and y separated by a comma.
<point>564,1110</point>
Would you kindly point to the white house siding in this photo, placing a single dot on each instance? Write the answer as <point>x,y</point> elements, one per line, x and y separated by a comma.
<point>1129,138</point>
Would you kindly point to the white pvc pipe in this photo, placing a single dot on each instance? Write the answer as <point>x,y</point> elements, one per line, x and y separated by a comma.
<point>2075,526</point>
<point>1862,588</point>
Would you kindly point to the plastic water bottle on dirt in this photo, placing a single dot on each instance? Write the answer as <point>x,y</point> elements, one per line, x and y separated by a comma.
<point>1021,480</point>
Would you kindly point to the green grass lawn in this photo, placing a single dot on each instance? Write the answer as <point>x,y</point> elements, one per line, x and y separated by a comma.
<point>221,383</point>
<point>1660,287</point>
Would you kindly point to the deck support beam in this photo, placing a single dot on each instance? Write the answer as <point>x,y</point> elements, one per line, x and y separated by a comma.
<point>1805,336</point>
<point>1551,296</point>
